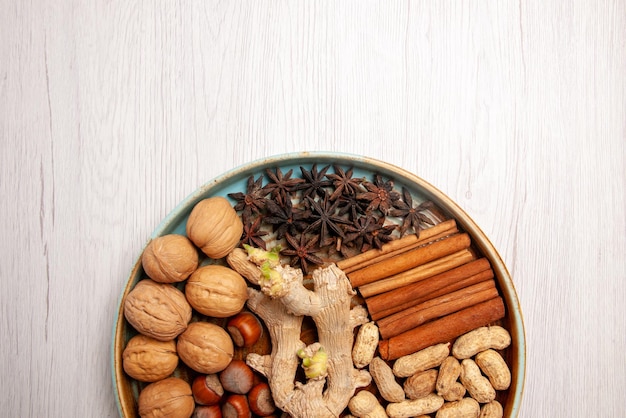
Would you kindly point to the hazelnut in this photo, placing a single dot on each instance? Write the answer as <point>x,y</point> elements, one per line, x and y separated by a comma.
<point>149,360</point>
<point>205,347</point>
<point>214,226</point>
<point>157,310</point>
<point>237,377</point>
<point>236,406</point>
<point>245,329</point>
<point>169,258</point>
<point>169,397</point>
<point>217,291</point>
<point>207,411</point>
<point>260,400</point>
<point>207,389</point>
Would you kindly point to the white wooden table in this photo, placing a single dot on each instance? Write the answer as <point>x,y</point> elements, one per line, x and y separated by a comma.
<point>113,112</point>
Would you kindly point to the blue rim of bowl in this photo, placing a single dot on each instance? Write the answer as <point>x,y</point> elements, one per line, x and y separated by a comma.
<point>372,164</point>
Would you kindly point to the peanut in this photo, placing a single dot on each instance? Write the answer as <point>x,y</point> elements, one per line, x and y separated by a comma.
<point>413,407</point>
<point>464,408</point>
<point>477,385</point>
<point>420,384</point>
<point>455,392</point>
<point>422,360</point>
<point>365,405</point>
<point>494,367</point>
<point>365,345</point>
<point>492,409</point>
<point>385,380</point>
<point>481,339</point>
<point>449,372</point>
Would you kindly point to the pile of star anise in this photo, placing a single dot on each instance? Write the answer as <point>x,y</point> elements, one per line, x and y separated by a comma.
<point>326,213</point>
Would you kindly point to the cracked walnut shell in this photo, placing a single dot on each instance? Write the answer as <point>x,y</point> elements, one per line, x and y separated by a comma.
<point>157,310</point>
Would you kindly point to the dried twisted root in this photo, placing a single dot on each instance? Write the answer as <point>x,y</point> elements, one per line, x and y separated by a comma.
<point>282,304</point>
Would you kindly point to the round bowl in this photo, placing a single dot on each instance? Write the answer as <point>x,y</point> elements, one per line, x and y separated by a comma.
<point>126,389</point>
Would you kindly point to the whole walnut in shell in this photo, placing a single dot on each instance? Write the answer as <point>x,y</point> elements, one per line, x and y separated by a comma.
<point>214,226</point>
<point>170,258</point>
<point>149,360</point>
<point>157,310</point>
<point>205,347</point>
<point>169,397</point>
<point>217,291</point>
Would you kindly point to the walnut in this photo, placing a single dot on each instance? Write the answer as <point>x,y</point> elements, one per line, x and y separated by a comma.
<point>170,258</point>
<point>169,397</point>
<point>214,226</point>
<point>157,310</point>
<point>217,291</point>
<point>205,347</point>
<point>149,360</point>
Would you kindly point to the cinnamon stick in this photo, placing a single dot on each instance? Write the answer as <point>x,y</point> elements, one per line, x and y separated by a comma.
<point>418,273</point>
<point>442,330</point>
<point>472,280</point>
<point>402,250</point>
<point>477,278</point>
<point>398,246</point>
<point>409,260</point>
<point>401,298</point>
<point>437,307</point>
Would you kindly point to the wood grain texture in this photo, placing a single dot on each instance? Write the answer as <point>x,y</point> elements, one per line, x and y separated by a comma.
<point>113,112</point>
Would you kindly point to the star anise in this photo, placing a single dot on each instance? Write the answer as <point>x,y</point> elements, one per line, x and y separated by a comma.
<point>314,183</point>
<point>350,205</point>
<point>325,220</point>
<point>379,194</point>
<point>368,231</point>
<point>285,218</point>
<point>346,249</point>
<point>344,183</point>
<point>432,213</point>
<point>356,232</point>
<point>280,186</point>
<point>252,232</point>
<point>379,234</point>
<point>253,200</point>
<point>411,216</point>
<point>302,251</point>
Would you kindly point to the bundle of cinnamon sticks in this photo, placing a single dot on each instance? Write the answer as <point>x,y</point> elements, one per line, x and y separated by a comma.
<point>426,289</point>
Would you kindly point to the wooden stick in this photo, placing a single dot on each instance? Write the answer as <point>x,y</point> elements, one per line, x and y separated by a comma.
<point>409,260</point>
<point>436,308</point>
<point>418,273</point>
<point>442,330</point>
<point>404,297</point>
<point>398,246</point>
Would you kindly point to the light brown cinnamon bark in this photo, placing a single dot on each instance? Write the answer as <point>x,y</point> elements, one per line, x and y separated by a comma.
<point>409,259</point>
<point>398,246</point>
<point>404,297</point>
<point>442,330</point>
<point>417,315</point>
<point>418,273</point>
